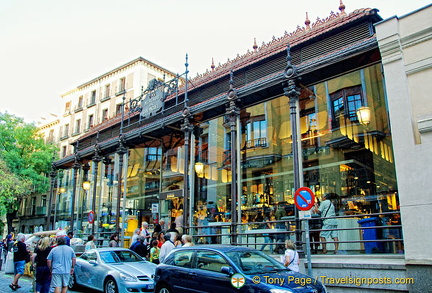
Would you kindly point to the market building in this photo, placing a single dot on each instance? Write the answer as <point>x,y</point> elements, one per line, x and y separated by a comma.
<point>220,154</point>
<point>339,106</point>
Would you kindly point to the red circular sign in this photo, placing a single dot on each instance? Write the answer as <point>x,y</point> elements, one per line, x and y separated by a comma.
<point>304,198</point>
<point>91,216</point>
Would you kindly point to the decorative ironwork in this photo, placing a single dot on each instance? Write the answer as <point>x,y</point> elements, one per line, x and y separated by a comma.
<point>151,99</point>
<point>76,166</point>
<point>232,114</point>
<point>187,128</point>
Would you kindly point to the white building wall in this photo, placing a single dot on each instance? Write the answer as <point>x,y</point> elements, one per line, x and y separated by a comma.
<point>406,47</point>
<point>137,74</point>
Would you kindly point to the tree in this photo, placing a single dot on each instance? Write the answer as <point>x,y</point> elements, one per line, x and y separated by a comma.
<point>25,161</point>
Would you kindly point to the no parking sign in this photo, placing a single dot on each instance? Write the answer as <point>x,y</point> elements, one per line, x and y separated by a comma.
<point>304,198</point>
<point>91,216</point>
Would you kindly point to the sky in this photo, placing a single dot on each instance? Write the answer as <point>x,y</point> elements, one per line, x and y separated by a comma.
<point>48,47</point>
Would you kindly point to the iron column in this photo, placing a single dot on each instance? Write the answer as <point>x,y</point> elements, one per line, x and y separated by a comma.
<point>293,94</point>
<point>232,113</point>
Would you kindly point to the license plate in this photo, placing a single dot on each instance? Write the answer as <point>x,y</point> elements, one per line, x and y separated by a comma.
<point>150,286</point>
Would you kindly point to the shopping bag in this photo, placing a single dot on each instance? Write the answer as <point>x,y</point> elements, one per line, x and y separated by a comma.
<point>9,265</point>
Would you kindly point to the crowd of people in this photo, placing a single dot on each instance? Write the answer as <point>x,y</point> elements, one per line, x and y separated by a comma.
<point>53,259</point>
<point>156,246</point>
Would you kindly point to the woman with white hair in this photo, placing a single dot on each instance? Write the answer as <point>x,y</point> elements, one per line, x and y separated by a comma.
<point>135,237</point>
<point>291,257</point>
<point>145,233</point>
<point>21,255</point>
<point>187,240</point>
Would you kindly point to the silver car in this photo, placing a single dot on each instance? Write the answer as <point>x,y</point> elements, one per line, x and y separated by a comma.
<point>113,270</point>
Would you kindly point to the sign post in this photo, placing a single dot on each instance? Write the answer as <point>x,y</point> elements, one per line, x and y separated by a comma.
<point>304,199</point>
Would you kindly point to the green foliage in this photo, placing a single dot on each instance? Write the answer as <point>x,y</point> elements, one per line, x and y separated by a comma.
<point>11,187</point>
<point>25,160</point>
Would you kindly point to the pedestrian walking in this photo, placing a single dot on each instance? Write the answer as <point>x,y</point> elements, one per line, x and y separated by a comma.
<point>21,255</point>
<point>61,261</point>
<point>43,273</point>
<point>291,257</point>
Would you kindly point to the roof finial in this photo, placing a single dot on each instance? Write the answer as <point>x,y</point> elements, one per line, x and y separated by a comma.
<point>307,22</point>
<point>212,65</point>
<point>342,8</point>
<point>255,46</point>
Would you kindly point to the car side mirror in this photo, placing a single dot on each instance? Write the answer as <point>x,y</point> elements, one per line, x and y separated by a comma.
<point>93,262</point>
<point>227,270</point>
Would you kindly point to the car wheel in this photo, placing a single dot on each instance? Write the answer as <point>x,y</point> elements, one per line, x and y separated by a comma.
<point>110,286</point>
<point>164,289</point>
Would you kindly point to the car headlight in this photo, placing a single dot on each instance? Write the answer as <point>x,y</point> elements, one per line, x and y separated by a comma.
<point>281,291</point>
<point>128,278</point>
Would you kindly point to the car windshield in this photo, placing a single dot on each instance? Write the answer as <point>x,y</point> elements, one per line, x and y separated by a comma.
<point>119,256</point>
<point>255,262</point>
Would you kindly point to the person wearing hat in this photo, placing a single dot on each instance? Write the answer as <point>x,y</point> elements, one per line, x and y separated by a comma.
<point>327,209</point>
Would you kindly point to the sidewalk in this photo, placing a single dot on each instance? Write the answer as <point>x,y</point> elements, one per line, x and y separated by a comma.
<point>6,279</point>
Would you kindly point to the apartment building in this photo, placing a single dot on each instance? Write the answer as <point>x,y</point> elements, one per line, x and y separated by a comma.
<point>100,99</point>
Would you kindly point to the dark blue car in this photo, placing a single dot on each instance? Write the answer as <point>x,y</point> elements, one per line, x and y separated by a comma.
<point>224,268</point>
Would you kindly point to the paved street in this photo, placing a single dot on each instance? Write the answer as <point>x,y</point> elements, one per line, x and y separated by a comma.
<point>25,283</point>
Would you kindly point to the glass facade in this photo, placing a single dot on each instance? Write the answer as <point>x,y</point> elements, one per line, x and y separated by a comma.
<point>351,160</point>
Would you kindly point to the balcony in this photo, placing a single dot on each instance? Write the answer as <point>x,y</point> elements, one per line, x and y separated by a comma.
<point>254,143</point>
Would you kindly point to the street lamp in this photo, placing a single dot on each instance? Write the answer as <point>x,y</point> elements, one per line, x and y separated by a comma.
<point>364,115</point>
<point>199,169</point>
<point>86,185</point>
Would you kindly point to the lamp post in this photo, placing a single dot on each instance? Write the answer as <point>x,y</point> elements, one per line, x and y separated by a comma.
<point>86,187</point>
<point>293,94</point>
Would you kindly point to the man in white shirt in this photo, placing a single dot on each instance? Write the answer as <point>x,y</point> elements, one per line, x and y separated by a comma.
<point>166,247</point>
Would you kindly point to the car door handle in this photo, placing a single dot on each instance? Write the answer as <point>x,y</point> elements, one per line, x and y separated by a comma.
<point>192,275</point>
